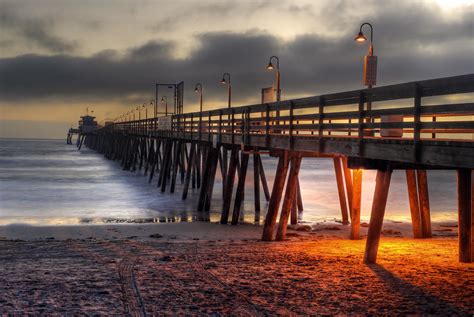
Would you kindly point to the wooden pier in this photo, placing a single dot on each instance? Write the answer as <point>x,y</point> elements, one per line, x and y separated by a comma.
<point>434,130</point>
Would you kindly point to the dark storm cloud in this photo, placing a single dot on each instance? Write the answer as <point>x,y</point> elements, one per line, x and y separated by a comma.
<point>34,31</point>
<point>407,45</point>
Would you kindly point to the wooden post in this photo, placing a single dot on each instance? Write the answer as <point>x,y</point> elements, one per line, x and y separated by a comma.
<point>465,214</point>
<point>263,179</point>
<point>212,176</point>
<point>376,217</point>
<point>189,169</point>
<point>299,200</point>
<point>348,182</point>
<point>356,203</point>
<point>290,195</point>
<point>205,182</point>
<point>294,209</point>
<point>230,185</point>
<point>275,198</point>
<point>256,186</point>
<point>340,190</point>
<point>240,187</point>
<point>414,204</point>
<point>424,203</point>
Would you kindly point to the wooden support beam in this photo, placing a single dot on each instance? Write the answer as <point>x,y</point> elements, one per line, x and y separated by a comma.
<point>256,186</point>
<point>348,182</point>
<point>414,204</point>
<point>263,179</point>
<point>356,203</point>
<point>424,203</point>
<point>340,190</point>
<point>175,164</point>
<point>275,198</point>
<point>290,195</point>
<point>192,156</point>
<point>294,210</point>
<point>299,201</point>
<point>382,184</point>
<point>230,185</point>
<point>239,195</point>
<point>214,153</point>
<point>465,214</point>
<point>205,182</point>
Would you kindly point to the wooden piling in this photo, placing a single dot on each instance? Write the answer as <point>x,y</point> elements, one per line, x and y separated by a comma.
<point>465,214</point>
<point>356,203</point>
<point>382,184</point>
<point>213,153</point>
<point>256,186</point>
<point>340,190</point>
<point>290,195</point>
<point>424,203</point>
<point>263,179</point>
<point>239,195</point>
<point>229,185</point>
<point>191,165</point>
<point>275,198</point>
<point>414,204</point>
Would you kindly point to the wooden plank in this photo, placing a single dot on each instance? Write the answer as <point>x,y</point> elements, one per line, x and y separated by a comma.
<point>424,201</point>
<point>290,195</point>
<point>244,160</point>
<point>414,204</point>
<point>340,191</point>
<point>356,203</point>
<point>229,186</point>
<point>376,217</point>
<point>275,198</point>
<point>465,214</point>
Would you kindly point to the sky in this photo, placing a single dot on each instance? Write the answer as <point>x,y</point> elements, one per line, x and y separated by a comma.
<point>59,57</point>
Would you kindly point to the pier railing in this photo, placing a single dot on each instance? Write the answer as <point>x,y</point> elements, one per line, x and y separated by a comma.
<point>415,116</point>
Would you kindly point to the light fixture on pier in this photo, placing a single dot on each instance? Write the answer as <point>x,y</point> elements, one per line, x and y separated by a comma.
<point>198,89</point>
<point>370,60</point>
<point>270,66</point>
<point>228,82</point>
<point>164,100</point>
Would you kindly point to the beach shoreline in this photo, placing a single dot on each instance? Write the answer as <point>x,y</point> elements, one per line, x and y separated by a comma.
<point>207,268</point>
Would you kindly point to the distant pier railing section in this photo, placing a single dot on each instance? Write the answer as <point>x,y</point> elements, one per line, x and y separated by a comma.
<point>414,126</point>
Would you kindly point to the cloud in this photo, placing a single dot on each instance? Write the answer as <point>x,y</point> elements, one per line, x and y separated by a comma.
<point>412,45</point>
<point>38,32</point>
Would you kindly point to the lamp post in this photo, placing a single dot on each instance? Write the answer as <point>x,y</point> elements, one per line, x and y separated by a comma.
<point>198,89</point>
<point>228,82</point>
<point>165,100</point>
<point>370,60</point>
<point>370,65</point>
<point>270,66</point>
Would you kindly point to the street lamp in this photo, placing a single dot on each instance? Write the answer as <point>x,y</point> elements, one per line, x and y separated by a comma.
<point>271,67</point>
<point>227,81</point>
<point>145,106</point>
<point>139,109</point>
<point>370,61</point>
<point>165,100</point>
<point>198,89</point>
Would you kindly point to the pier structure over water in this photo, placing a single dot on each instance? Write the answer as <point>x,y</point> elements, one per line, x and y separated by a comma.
<point>415,126</point>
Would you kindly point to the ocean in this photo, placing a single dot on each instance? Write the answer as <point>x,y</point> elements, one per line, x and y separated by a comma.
<point>47,182</point>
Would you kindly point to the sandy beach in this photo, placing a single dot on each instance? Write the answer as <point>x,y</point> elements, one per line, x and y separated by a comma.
<point>206,268</point>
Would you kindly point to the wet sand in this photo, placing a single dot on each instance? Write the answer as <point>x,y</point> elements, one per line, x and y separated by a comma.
<point>202,268</point>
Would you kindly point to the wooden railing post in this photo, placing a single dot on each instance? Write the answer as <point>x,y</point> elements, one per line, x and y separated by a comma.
<point>360,128</point>
<point>417,123</point>
<point>291,141</point>
<point>320,124</point>
<point>267,125</point>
